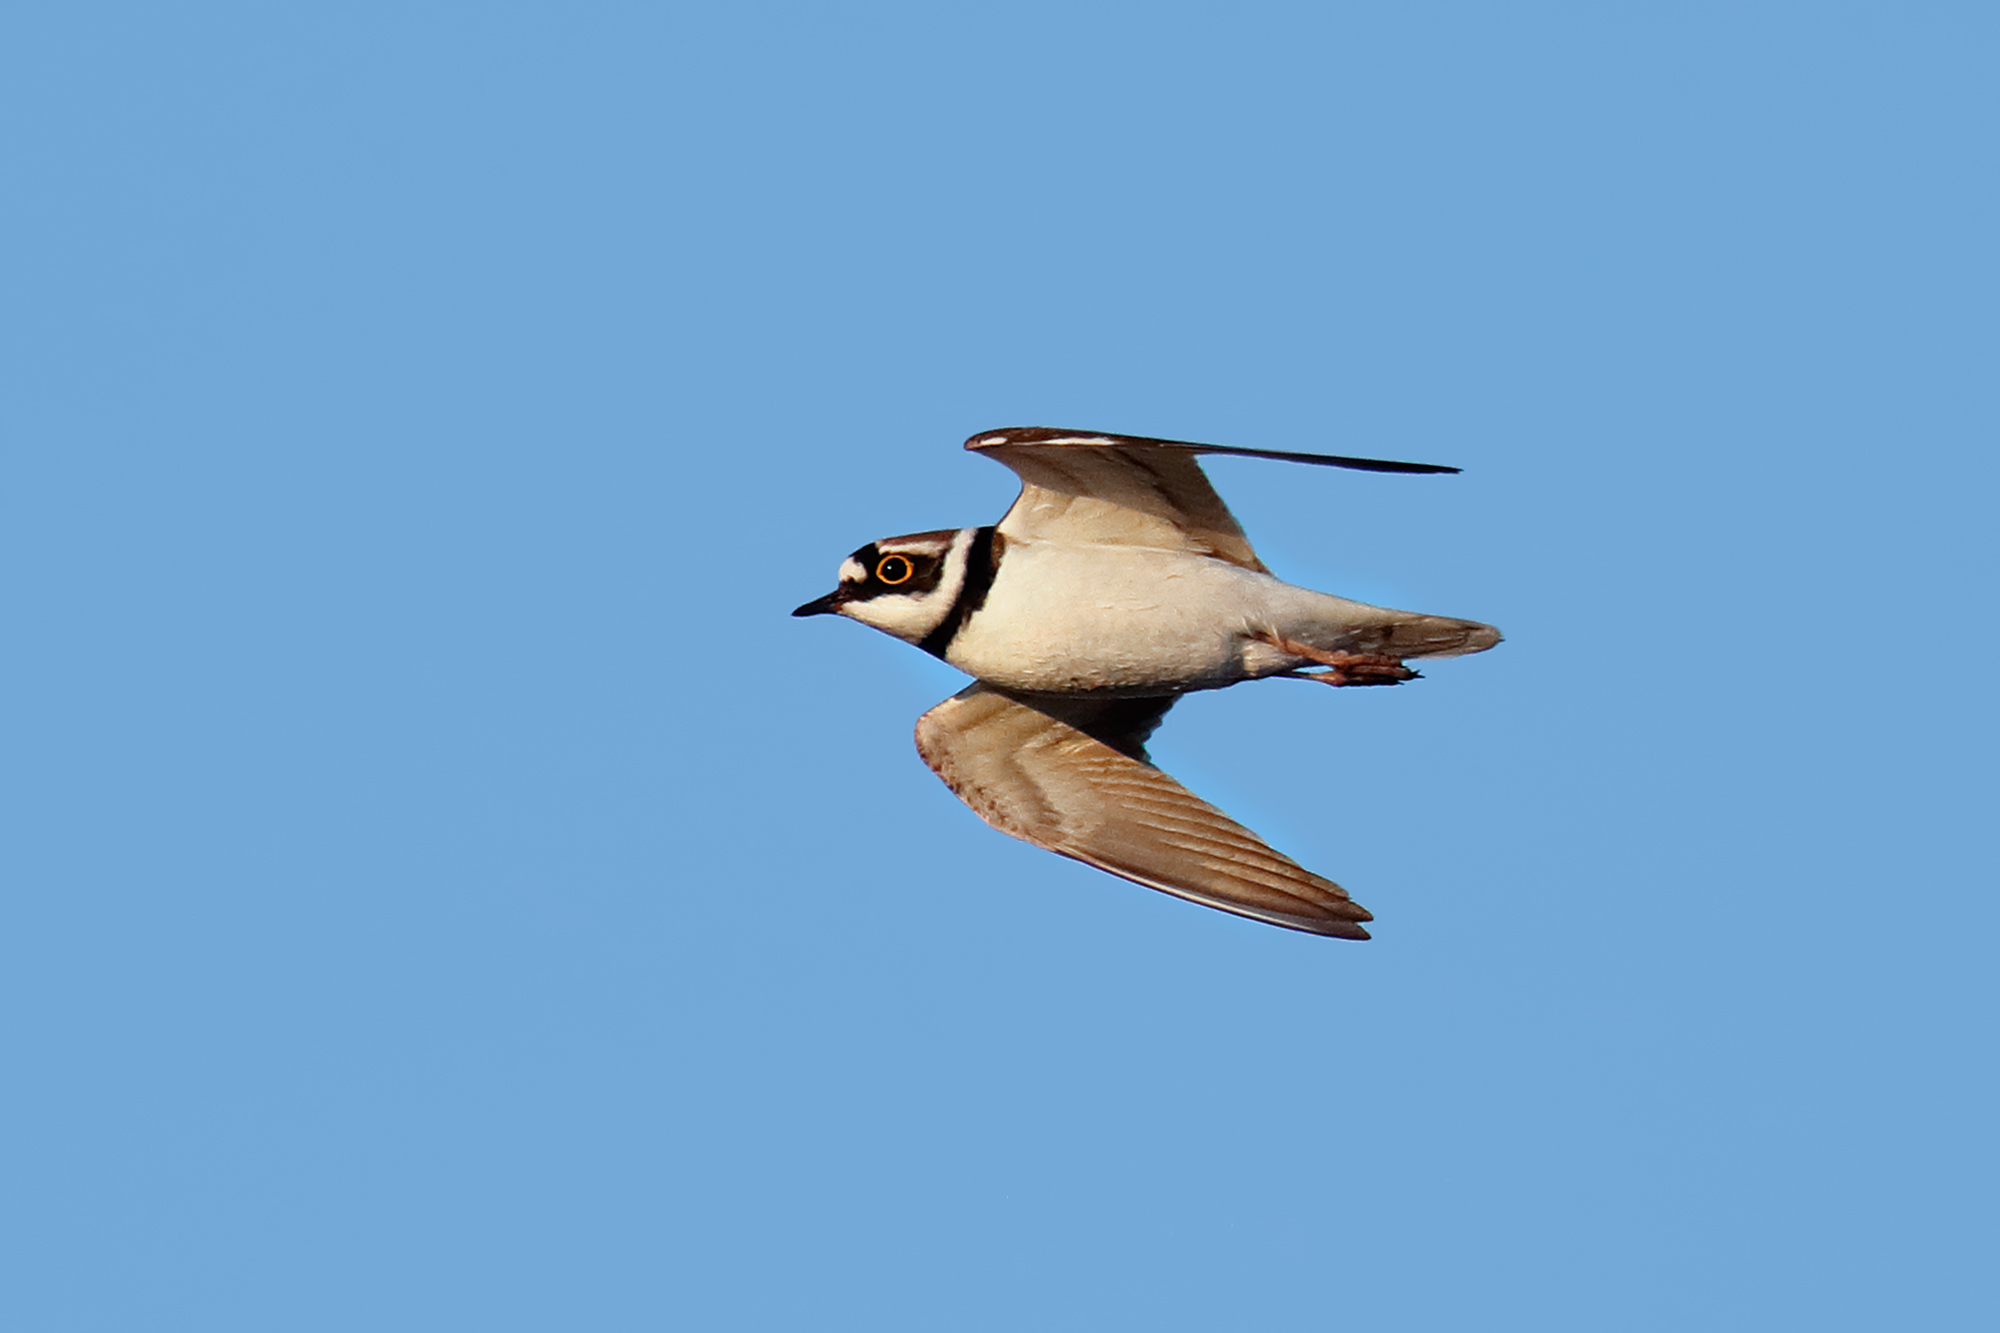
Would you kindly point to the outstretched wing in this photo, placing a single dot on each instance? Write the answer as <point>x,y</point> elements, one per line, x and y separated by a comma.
<point>1070,775</point>
<point>1128,490</point>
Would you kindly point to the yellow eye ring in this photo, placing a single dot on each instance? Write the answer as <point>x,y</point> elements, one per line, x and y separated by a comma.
<point>894,569</point>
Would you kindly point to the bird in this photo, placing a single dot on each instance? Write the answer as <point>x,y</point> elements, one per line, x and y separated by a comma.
<point>1117,582</point>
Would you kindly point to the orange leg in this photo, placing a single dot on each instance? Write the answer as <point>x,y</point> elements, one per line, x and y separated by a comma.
<point>1343,668</point>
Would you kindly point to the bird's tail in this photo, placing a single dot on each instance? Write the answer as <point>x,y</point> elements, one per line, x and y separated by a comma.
<point>1361,628</point>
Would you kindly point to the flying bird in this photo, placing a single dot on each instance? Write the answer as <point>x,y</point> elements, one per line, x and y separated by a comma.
<point>1116,583</point>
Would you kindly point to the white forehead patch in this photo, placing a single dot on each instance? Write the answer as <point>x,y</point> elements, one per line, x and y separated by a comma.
<point>851,571</point>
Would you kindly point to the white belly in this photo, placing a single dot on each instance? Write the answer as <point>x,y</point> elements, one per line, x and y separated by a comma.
<point>1063,619</point>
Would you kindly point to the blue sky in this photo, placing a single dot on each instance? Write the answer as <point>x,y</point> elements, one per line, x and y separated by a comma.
<point>447,890</point>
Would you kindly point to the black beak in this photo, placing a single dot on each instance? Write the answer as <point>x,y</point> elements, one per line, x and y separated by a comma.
<point>822,606</point>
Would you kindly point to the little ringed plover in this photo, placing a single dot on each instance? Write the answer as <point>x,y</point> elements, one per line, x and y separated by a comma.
<point>1116,583</point>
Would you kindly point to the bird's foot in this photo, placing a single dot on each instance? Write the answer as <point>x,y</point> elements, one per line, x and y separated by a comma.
<point>1343,668</point>
<point>1363,669</point>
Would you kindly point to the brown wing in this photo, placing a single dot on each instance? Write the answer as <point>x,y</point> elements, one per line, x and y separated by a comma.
<point>1131,490</point>
<point>1113,490</point>
<point>1069,775</point>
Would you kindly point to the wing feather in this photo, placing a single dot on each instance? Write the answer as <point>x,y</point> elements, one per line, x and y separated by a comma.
<point>1037,770</point>
<point>1133,490</point>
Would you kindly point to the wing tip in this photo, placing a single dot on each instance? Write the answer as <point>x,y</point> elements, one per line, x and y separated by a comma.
<point>1346,926</point>
<point>1338,919</point>
<point>1325,927</point>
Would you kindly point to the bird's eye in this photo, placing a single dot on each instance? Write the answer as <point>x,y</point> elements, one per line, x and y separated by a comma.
<point>894,569</point>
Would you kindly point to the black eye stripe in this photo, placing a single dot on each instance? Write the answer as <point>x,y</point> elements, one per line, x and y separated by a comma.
<point>884,573</point>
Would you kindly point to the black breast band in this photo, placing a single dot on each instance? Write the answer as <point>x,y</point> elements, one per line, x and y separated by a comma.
<point>981,560</point>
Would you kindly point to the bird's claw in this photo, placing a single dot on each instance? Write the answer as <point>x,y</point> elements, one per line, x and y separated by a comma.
<point>1374,671</point>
